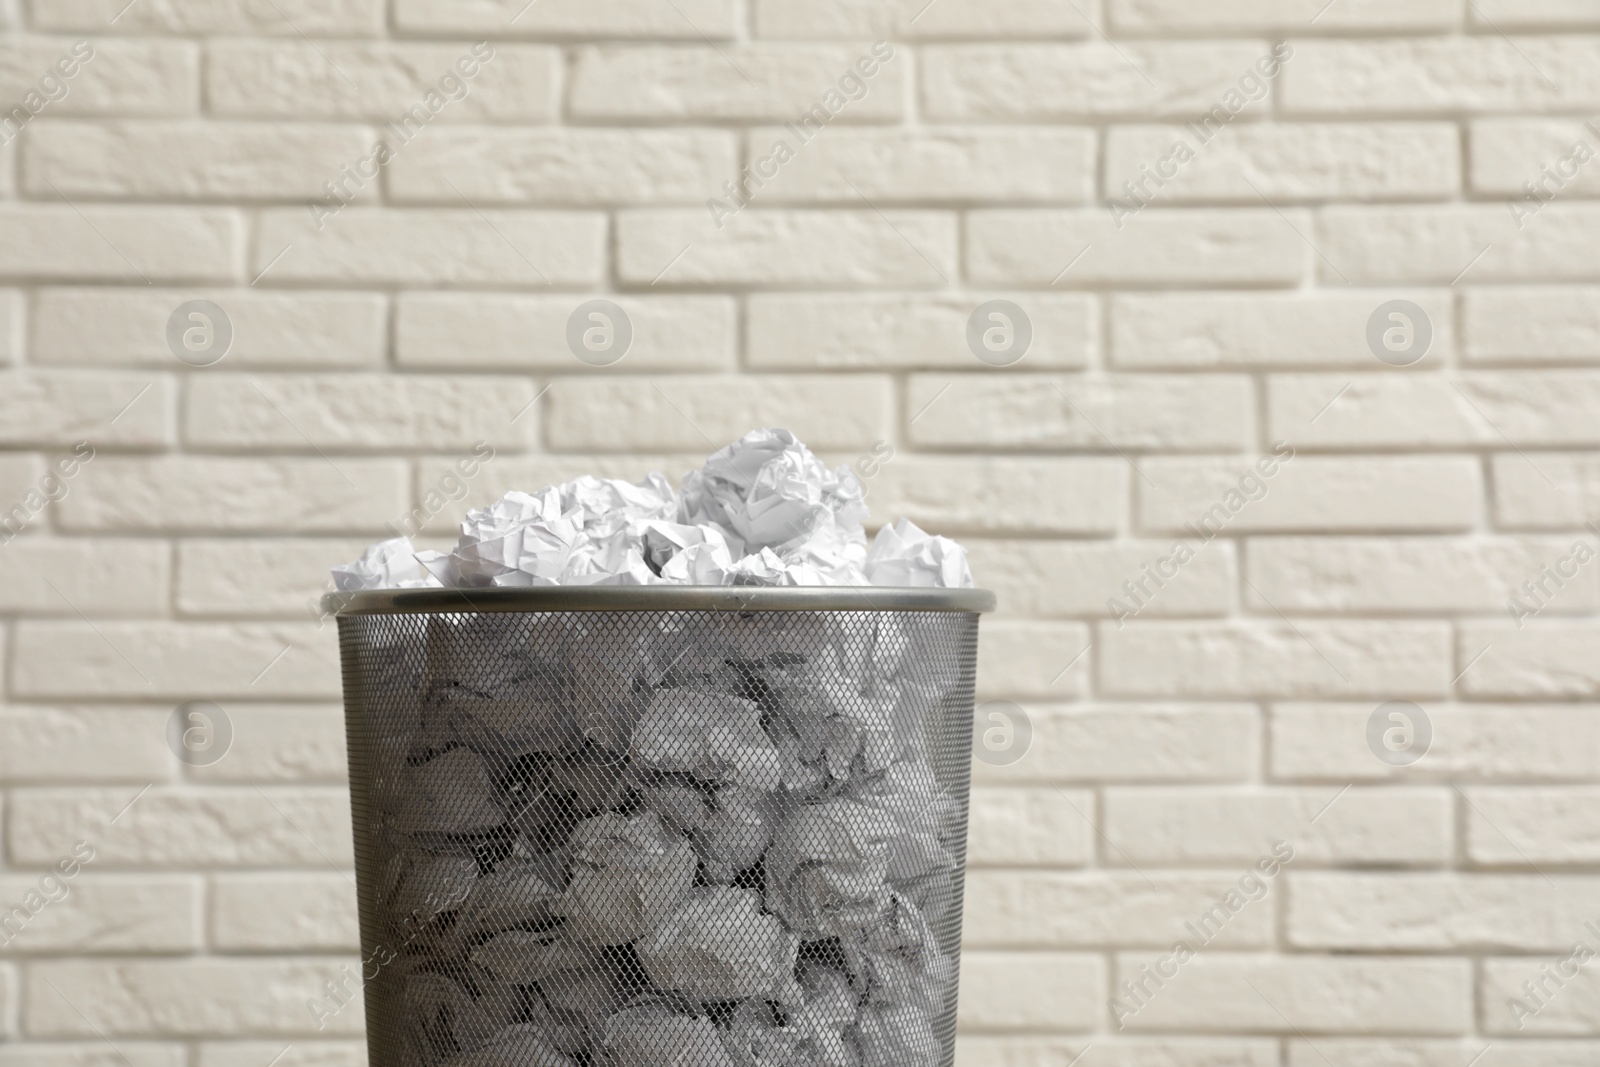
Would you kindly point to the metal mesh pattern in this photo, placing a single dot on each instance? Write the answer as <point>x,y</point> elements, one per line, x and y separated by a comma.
<point>660,838</point>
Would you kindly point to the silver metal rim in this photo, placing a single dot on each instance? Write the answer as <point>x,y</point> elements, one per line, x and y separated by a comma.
<point>658,598</point>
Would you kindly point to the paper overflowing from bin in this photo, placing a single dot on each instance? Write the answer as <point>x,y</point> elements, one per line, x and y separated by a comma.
<point>762,511</point>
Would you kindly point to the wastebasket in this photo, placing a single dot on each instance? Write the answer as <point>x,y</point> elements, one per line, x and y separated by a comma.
<point>660,827</point>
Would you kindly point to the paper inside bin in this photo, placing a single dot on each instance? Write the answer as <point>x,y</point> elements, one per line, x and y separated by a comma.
<point>717,945</point>
<point>627,875</point>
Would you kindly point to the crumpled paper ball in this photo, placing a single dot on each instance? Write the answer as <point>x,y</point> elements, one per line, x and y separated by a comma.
<point>709,735</point>
<point>392,564</point>
<point>767,490</point>
<point>524,1046</point>
<point>827,865</point>
<point>450,794</point>
<point>717,945</point>
<point>653,1035</point>
<point>896,1037</point>
<point>903,555</point>
<point>627,875</point>
<point>522,539</point>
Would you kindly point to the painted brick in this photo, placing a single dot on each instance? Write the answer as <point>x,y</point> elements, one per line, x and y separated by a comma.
<point>689,19</point>
<point>298,912</point>
<point>188,160</point>
<point>495,331</point>
<point>1557,490</point>
<point>55,743</point>
<point>92,912</point>
<point>289,18</point>
<point>752,82</point>
<point>281,743</point>
<point>222,576</point>
<point>1395,911</point>
<point>184,827</point>
<point>184,998</point>
<point>1486,409</point>
<point>380,81</point>
<point>1180,247</point>
<point>1436,75</point>
<point>496,165</point>
<point>1530,658</point>
<point>1030,827</point>
<point>437,247</point>
<point>1440,245</point>
<point>943,163</point>
<point>1509,155</point>
<point>857,19</point>
<point>1284,161</point>
<point>1514,324</point>
<point>128,326</point>
<point>1421,574</point>
<point>442,516</point>
<point>1059,578</point>
<point>57,242</point>
<point>1222,329</point>
<point>1051,991</point>
<point>1294,16</point>
<point>1104,413</point>
<point>11,326</point>
<point>999,495</point>
<point>1374,995</point>
<point>838,331</point>
<point>1423,1052</point>
<point>46,576</point>
<point>1312,493</point>
<point>846,248</point>
<point>181,661</point>
<point>142,78</point>
<point>1188,826</point>
<point>63,408</point>
<point>359,412</point>
<point>93,1053</point>
<point>1534,13</point>
<point>1248,658</point>
<point>213,494</point>
<point>1031,659</point>
<point>1568,1009</point>
<point>302,1053</point>
<point>1470,741</point>
<point>984,1050</point>
<point>1031,82</point>
<point>1092,909</point>
<point>690,413</point>
<point>1133,743</point>
<point>1533,825</point>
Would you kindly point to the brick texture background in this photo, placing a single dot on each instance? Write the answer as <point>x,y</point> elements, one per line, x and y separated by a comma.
<point>1217,314</point>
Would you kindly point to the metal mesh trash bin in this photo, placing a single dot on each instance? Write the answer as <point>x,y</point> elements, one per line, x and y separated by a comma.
<point>684,827</point>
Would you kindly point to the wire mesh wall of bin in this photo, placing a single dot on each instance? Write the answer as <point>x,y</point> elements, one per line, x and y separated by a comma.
<point>688,827</point>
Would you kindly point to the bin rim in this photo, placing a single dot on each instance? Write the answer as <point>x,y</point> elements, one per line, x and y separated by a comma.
<point>657,598</point>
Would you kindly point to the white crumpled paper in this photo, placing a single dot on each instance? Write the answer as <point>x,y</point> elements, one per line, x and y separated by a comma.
<point>903,555</point>
<point>392,564</point>
<point>762,511</point>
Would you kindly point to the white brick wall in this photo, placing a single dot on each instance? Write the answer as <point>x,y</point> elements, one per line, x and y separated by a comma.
<point>1184,721</point>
